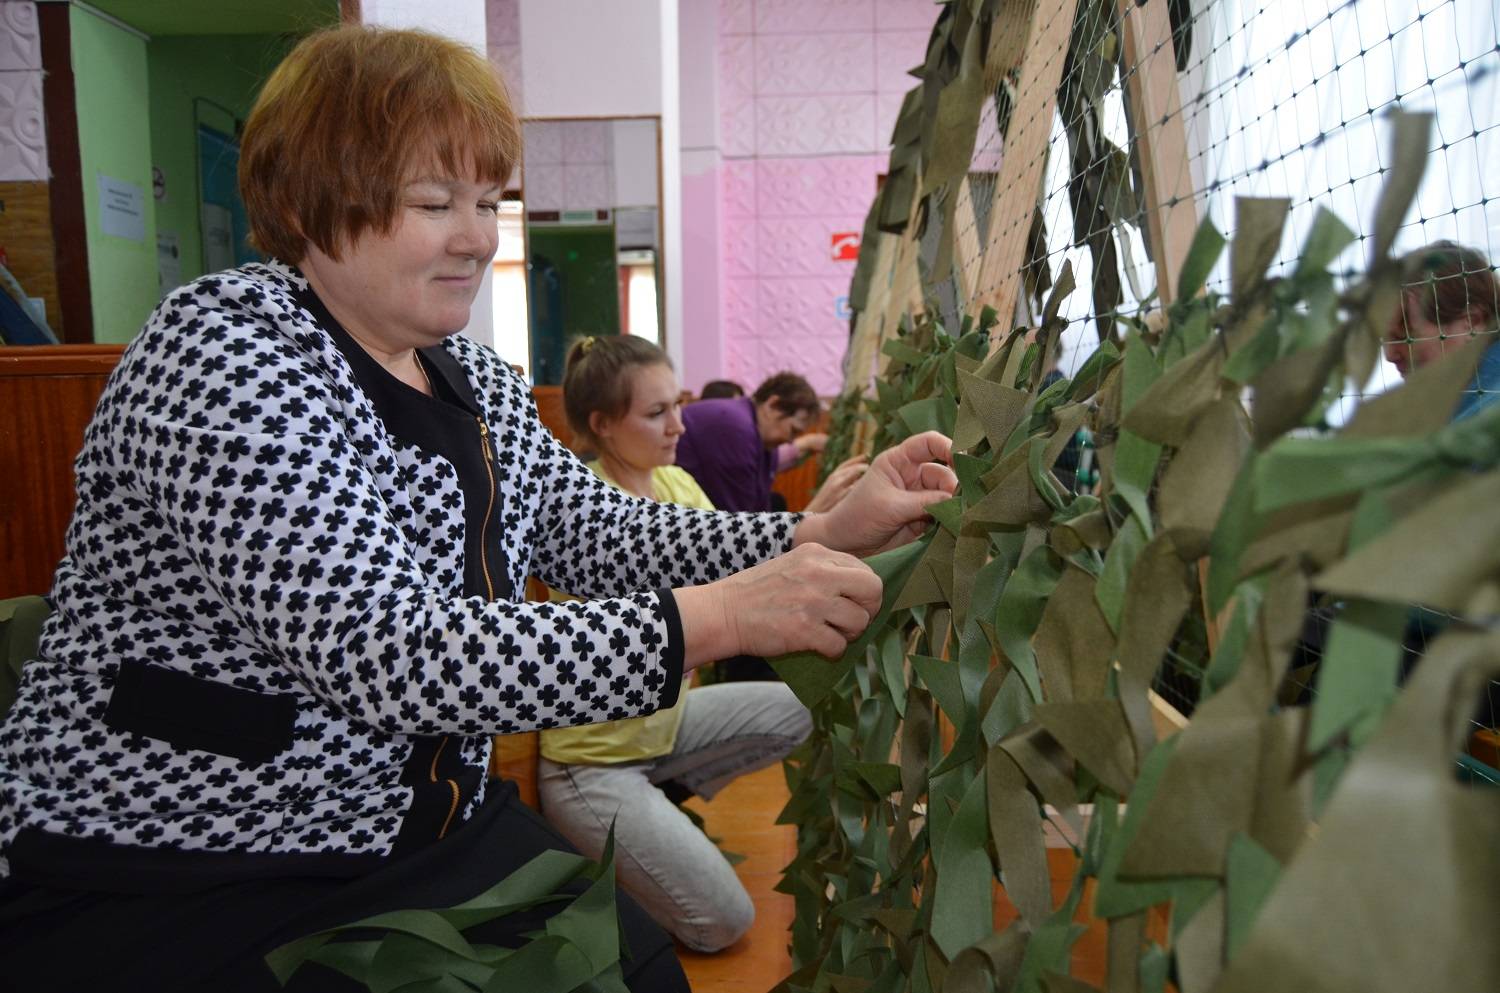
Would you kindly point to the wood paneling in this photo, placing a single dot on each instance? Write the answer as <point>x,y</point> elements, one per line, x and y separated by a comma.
<point>798,484</point>
<point>1484,745</point>
<point>47,395</point>
<point>26,237</point>
<point>549,404</point>
<point>514,757</point>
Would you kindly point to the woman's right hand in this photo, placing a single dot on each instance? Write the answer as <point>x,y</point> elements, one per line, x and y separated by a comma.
<point>810,599</point>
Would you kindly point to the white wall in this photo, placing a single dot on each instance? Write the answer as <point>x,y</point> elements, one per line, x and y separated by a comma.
<point>636,182</point>
<point>615,58</point>
<point>461,20</point>
<point>592,58</point>
<point>697,52</point>
<point>702,257</point>
<point>671,181</point>
<point>635,163</point>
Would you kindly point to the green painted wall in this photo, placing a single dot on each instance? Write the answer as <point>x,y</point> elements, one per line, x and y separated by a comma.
<point>575,291</point>
<point>114,139</point>
<point>189,75</point>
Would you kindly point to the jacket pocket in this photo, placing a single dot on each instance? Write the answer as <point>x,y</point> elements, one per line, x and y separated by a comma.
<point>192,713</point>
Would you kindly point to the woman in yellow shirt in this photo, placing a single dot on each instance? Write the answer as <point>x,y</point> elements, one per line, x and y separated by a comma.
<point>621,396</point>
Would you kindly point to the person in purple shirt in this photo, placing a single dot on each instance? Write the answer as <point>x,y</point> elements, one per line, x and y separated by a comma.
<point>788,454</point>
<point>730,445</point>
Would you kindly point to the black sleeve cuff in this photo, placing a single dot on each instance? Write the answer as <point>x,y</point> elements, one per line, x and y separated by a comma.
<point>674,653</point>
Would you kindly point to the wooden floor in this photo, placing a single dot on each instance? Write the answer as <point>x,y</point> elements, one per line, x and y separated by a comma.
<point>743,817</point>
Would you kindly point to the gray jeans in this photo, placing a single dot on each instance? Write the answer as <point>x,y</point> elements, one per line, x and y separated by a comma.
<point>661,858</point>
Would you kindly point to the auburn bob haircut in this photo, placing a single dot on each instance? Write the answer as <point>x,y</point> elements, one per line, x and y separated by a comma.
<point>353,114</point>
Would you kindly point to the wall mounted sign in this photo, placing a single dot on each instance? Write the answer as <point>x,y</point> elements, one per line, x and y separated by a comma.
<point>122,208</point>
<point>845,246</point>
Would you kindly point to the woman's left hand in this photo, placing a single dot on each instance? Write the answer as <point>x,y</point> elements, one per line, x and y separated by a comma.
<point>838,484</point>
<point>888,506</point>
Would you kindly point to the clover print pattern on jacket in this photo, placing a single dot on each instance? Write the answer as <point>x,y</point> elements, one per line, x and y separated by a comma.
<point>245,519</point>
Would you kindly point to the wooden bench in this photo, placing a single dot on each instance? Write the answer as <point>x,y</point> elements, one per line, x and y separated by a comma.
<point>47,395</point>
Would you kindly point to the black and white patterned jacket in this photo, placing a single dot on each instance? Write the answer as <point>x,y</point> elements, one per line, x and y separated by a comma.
<point>262,644</point>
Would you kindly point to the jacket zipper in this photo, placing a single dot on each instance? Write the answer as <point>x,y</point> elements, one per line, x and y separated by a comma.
<point>489,586</point>
<point>489,511</point>
<point>432,774</point>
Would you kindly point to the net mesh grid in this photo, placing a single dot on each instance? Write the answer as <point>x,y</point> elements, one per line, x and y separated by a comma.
<point>1277,98</point>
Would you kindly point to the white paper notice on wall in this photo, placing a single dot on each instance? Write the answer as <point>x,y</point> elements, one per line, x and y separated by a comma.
<point>122,208</point>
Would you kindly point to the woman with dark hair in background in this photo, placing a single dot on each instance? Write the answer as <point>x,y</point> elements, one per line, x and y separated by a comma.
<point>731,445</point>
<point>790,453</point>
<point>721,389</point>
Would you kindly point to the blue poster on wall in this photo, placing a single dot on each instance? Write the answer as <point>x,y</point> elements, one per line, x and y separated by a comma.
<point>221,212</point>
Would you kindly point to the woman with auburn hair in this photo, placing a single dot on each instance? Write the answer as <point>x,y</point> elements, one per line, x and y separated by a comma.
<point>621,397</point>
<point>288,616</point>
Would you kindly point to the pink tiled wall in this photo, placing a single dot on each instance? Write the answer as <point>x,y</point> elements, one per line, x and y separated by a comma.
<point>569,165</point>
<point>808,92</point>
<point>502,23</point>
